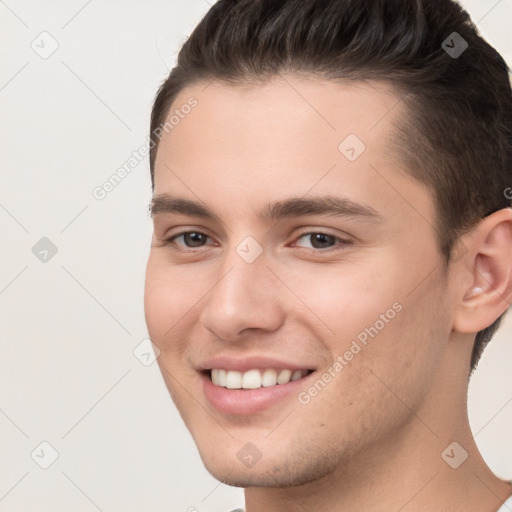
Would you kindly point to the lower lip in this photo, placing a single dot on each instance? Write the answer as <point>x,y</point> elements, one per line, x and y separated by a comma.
<point>249,401</point>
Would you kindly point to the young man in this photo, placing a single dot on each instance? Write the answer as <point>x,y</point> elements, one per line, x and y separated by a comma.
<point>332,249</point>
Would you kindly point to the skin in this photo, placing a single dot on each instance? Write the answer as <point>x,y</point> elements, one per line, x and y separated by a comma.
<point>372,439</point>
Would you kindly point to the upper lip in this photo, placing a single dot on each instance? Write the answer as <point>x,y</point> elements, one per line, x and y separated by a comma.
<point>244,364</point>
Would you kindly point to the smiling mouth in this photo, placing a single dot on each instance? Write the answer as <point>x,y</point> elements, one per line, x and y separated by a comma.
<point>254,379</point>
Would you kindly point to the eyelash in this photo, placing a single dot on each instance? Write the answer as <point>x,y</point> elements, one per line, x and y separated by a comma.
<point>341,242</point>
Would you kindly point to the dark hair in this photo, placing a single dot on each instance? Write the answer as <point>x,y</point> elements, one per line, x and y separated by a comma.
<point>457,133</point>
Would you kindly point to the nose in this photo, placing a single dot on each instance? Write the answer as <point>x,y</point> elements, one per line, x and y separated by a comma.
<point>244,296</point>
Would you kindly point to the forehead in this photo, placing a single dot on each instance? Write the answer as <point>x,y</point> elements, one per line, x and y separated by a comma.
<point>310,108</point>
<point>291,135</point>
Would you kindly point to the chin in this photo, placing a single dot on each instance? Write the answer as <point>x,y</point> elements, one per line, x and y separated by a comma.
<point>290,472</point>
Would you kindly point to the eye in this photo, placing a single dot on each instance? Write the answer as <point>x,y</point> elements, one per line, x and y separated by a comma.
<point>319,240</point>
<point>190,239</point>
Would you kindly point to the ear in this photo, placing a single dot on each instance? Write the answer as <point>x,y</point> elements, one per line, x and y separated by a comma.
<point>487,289</point>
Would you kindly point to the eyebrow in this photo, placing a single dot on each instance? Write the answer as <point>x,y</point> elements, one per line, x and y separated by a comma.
<point>293,207</point>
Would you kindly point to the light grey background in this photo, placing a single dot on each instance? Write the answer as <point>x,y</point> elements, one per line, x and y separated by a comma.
<point>69,326</point>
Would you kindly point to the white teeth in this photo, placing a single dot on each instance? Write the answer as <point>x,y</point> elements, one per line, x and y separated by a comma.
<point>219,377</point>
<point>254,379</point>
<point>296,375</point>
<point>233,380</point>
<point>251,379</point>
<point>269,378</point>
<point>284,376</point>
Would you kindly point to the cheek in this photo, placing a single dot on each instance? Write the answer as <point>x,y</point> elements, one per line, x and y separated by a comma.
<point>377,311</point>
<point>169,297</point>
<point>346,299</point>
<point>403,353</point>
<point>375,379</point>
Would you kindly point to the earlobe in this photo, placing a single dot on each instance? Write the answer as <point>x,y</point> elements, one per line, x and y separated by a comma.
<point>490,291</point>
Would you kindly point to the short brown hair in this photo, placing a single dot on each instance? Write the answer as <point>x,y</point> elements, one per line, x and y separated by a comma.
<point>457,135</point>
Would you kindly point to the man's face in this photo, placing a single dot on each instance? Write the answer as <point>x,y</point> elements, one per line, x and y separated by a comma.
<point>355,303</point>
